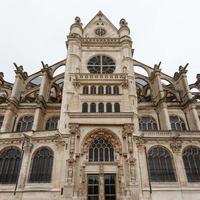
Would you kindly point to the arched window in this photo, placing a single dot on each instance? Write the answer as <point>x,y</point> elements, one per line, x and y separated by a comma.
<point>85,90</point>
<point>160,165</point>
<point>147,124</point>
<point>108,107</point>
<point>177,123</point>
<point>100,90</point>
<point>101,151</point>
<point>10,160</point>
<point>108,90</point>
<point>93,89</point>
<point>101,65</point>
<point>191,159</point>
<point>116,90</point>
<point>1,120</point>
<point>93,107</point>
<point>117,107</point>
<point>84,107</point>
<point>25,124</point>
<point>101,107</point>
<point>42,164</point>
<point>52,123</point>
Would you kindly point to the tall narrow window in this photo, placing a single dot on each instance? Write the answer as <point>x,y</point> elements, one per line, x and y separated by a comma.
<point>108,90</point>
<point>93,107</point>
<point>100,90</point>
<point>191,159</point>
<point>25,124</point>
<point>101,151</point>
<point>93,89</point>
<point>84,107</point>
<point>116,90</point>
<point>101,107</point>
<point>10,160</point>
<point>177,123</point>
<point>108,107</point>
<point>42,164</point>
<point>109,187</point>
<point>52,123</point>
<point>85,90</point>
<point>147,123</point>
<point>93,187</point>
<point>160,165</point>
<point>117,107</point>
<point>1,120</point>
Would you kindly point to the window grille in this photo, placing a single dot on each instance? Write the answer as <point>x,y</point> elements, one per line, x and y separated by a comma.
<point>52,123</point>
<point>25,124</point>
<point>191,159</point>
<point>93,107</point>
<point>93,89</point>
<point>85,90</point>
<point>42,164</point>
<point>160,165</point>
<point>101,65</point>
<point>1,120</point>
<point>117,107</point>
<point>10,161</point>
<point>101,151</point>
<point>147,124</point>
<point>101,107</point>
<point>116,90</point>
<point>108,90</point>
<point>177,123</point>
<point>84,107</point>
<point>108,107</point>
<point>100,90</point>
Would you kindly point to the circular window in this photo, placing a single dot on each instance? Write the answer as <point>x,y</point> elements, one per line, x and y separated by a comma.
<point>101,65</point>
<point>100,31</point>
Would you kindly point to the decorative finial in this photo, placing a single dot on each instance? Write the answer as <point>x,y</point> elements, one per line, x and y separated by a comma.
<point>18,68</point>
<point>78,20</point>
<point>100,14</point>
<point>157,66</point>
<point>44,65</point>
<point>123,22</point>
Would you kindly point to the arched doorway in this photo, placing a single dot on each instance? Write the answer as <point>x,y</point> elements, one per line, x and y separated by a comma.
<point>103,149</point>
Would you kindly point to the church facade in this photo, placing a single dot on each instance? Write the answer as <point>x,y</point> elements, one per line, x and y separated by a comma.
<point>91,127</point>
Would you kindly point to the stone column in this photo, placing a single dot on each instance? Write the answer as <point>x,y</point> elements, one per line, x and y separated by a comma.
<point>14,99</point>
<point>59,176</point>
<point>73,64</point>
<point>186,97</point>
<point>176,146</point>
<point>39,114</point>
<point>158,96</point>
<point>144,176</point>
<point>27,148</point>
<point>42,99</point>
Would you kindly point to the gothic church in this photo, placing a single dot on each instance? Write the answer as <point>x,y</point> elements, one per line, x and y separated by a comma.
<point>90,127</point>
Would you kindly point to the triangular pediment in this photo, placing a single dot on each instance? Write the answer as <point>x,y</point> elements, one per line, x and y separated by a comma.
<point>95,28</point>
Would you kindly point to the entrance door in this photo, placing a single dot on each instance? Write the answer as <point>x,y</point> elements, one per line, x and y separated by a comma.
<point>101,187</point>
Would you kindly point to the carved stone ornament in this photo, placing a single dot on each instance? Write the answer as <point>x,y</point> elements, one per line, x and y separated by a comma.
<point>106,134</point>
<point>140,142</point>
<point>182,70</point>
<point>127,130</point>
<point>176,145</point>
<point>20,70</point>
<point>74,128</point>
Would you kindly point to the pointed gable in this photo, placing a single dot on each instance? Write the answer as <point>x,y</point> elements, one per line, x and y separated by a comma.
<point>99,25</point>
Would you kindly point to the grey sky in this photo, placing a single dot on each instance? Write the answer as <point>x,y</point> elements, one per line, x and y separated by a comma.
<point>35,30</point>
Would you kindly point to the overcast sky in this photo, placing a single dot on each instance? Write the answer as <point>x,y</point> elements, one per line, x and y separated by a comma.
<point>162,30</point>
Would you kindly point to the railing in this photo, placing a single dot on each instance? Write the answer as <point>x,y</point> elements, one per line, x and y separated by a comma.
<point>88,76</point>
